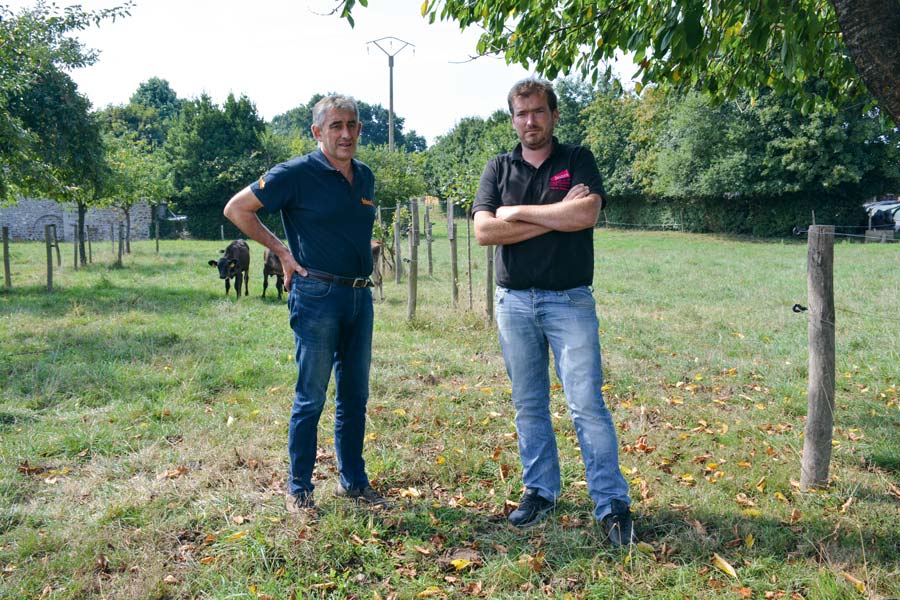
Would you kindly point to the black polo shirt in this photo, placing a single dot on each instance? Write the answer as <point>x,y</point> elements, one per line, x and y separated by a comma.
<point>556,260</point>
<point>327,220</point>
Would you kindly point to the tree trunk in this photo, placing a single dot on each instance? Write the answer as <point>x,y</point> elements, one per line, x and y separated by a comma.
<point>82,254</point>
<point>871,32</point>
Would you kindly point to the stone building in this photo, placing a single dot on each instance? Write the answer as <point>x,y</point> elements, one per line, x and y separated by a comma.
<point>26,220</point>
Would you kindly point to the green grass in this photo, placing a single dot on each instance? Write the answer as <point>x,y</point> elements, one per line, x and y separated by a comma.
<point>143,423</point>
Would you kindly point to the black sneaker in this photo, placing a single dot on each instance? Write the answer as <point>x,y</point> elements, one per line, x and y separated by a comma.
<point>618,526</point>
<point>532,509</point>
<point>366,495</point>
<point>300,502</point>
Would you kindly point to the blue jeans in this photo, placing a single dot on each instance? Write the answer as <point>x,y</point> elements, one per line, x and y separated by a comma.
<point>529,321</point>
<point>332,331</point>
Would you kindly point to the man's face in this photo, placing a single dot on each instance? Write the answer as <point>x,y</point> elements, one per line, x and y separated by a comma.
<point>339,134</point>
<point>533,120</point>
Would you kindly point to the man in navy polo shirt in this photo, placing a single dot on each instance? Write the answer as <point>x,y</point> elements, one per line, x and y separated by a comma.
<point>538,204</point>
<point>326,201</point>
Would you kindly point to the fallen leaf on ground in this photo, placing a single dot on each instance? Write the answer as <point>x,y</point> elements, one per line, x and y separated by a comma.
<point>723,565</point>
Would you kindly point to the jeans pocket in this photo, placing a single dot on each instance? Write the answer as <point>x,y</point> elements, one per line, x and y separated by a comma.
<point>312,288</point>
<point>499,295</point>
<point>580,296</point>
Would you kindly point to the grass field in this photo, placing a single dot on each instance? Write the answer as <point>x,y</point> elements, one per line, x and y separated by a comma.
<point>143,421</point>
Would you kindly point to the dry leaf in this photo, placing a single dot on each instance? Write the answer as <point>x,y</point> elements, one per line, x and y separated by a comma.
<point>460,563</point>
<point>430,592</point>
<point>723,565</point>
<point>860,585</point>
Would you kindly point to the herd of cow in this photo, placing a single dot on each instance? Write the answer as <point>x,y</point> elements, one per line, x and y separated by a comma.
<point>235,264</point>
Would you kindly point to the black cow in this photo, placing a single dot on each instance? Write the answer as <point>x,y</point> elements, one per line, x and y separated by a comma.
<point>272,266</point>
<point>235,262</point>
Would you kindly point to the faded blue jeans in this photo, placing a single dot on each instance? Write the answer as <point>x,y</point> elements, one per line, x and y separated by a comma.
<point>530,321</point>
<point>332,332</point>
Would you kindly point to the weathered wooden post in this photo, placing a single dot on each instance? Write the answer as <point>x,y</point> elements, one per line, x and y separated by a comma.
<point>7,276</point>
<point>489,283</point>
<point>156,233</point>
<point>820,395</point>
<point>121,244</point>
<point>90,250</point>
<point>112,238</point>
<point>413,259</point>
<point>75,243</point>
<point>47,229</point>
<point>398,260</point>
<point>428,238</point>
<point>469,252</point>
<point>381,256</point>
<point>222,232</point>
<point>454,268</point>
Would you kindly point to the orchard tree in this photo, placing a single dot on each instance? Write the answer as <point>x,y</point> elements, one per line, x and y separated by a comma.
<point>35,48</point>
<point>69,149</point>
<point>723,47</point>
<point>137,171</point>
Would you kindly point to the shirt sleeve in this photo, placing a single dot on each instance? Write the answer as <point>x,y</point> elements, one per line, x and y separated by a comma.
<point>586,172</point>
<point>275,188</point>
<point>488,196</point>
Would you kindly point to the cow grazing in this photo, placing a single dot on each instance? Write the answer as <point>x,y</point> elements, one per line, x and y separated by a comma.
<point>235,262</point>
<point>272,266</point>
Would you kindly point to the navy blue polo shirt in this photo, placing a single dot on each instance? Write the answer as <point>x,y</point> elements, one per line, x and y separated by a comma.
<point>328,221</point>
<point>556,260</point>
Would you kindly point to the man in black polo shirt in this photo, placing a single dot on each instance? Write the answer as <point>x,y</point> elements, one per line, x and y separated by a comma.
<point>538,204</point>
<point>326,201</point>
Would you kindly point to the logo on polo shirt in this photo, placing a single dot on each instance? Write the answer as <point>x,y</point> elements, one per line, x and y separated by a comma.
<point>561,181</point>
<point>368,202</point>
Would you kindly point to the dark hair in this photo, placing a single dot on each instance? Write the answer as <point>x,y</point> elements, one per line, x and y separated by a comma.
<point>530,86</point>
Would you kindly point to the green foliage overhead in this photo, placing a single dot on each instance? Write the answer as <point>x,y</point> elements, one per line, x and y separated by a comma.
<point>724,47</point>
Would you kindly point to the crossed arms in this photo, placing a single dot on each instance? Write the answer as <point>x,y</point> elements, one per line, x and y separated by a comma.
<point>512,224</point>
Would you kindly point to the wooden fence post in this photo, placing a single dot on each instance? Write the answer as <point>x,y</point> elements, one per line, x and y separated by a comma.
<point>156,233</point>
<point>820,396</point>
<point>87,231</point>
<point>398,260</point>
<point>7,276</point>
<point>469,253</point>
<point>454,268</point>
<point>413,259</point>
<point>47,229</point>
<point>489,283</point>
<point>381,257</point>
<point>112,238</point>
<point>428,239</point>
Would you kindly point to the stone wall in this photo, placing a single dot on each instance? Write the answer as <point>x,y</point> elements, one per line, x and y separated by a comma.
<point>27,218</point>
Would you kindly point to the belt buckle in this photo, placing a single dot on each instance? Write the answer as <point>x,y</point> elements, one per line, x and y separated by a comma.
<point>361,282</point>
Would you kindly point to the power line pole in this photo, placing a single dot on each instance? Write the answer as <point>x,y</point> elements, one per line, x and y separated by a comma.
<point>391,52</point>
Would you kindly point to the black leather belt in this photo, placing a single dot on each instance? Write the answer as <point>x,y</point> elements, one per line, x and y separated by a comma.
<point>354,282</point>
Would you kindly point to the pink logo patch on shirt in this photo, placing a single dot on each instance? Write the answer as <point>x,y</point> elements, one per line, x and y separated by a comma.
<point>561,181</point>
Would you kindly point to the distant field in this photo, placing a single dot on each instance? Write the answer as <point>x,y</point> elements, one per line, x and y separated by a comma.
<point>143,421</point>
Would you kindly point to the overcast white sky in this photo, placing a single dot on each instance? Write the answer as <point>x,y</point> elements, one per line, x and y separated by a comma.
<point>281,52</point>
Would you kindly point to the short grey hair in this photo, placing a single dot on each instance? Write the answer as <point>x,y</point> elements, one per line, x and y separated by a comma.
<point>335,102</point>
<point>531,86</point>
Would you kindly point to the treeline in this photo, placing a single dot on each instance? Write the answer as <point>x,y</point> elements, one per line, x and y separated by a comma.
<point>751,166</point>
<point>756,167</point>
